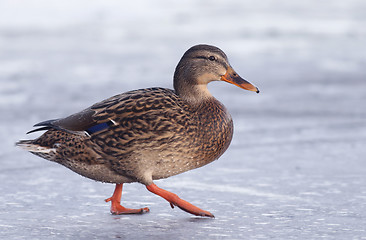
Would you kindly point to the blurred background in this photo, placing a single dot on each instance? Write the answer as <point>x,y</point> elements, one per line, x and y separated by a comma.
<point>296,167</point>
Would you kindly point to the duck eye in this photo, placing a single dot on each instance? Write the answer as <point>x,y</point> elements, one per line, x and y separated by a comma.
<point>212,58</point>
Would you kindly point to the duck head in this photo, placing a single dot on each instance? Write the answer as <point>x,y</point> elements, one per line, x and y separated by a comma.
<point>200,65</point>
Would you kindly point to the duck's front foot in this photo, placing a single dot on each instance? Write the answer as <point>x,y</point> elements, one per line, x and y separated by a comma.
<point>117,208</point>
<point>174,200</point>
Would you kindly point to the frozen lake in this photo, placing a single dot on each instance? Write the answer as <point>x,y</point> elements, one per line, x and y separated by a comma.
<point>296,168</point>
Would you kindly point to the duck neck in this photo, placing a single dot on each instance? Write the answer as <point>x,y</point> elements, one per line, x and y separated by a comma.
<point>206,106</point>
<point>191,92</point>
<point>196,95</point>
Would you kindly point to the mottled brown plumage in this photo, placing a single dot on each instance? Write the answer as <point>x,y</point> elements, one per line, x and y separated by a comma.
<point>147,134</point>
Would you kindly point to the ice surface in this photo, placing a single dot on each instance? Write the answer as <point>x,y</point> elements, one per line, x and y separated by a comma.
<point>296,168</point>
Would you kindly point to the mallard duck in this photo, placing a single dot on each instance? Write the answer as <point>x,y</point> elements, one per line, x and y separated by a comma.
<point>147,134</point>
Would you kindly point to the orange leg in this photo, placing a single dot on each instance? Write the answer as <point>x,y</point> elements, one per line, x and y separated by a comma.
<point>116,207</point>
<point>174,200</point>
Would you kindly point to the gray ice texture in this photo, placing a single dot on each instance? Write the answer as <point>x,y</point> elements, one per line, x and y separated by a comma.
<point>296,168</point>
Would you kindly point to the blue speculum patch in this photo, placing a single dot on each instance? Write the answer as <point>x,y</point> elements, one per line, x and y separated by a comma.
<point>97,128</point>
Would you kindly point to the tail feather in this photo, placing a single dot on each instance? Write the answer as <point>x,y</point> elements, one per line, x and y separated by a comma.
<point>39,129</point>
<point>30,146</point>
<point>45,125</point>
<point>48,123</point>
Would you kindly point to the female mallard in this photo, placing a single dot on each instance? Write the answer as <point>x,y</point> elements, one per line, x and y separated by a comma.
<point>147,134</point>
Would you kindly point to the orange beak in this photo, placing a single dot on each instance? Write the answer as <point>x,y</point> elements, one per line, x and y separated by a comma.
<point>232,77</point>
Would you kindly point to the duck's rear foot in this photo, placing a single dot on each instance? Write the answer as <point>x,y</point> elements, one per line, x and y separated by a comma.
<point>174,200</point>
<point>117,208</point>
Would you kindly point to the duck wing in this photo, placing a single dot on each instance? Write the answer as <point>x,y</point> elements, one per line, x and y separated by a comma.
<point>112,111</point>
